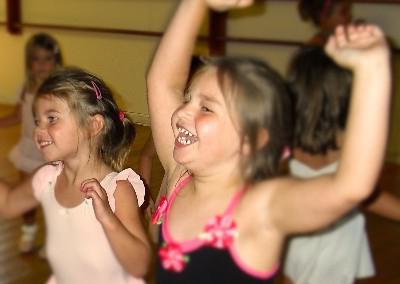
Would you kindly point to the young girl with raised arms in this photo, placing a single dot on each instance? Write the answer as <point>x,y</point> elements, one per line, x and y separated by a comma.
<point>42,56</point>
<point>339,253</point>
<point>226,214</point>
<point>91,205</point>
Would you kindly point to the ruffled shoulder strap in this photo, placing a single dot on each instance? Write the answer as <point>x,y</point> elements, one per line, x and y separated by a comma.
<point>130,176</point>
<point>45,175</point>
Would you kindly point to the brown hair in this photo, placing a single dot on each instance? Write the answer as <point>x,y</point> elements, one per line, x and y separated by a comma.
<point>258,98</point>
<point>312,10</point>
<point>321,93</point>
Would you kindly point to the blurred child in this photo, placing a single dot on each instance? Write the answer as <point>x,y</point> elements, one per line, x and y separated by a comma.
<point>326,15</point>
<point>42,56</point>
<point>226,214</point>
<point>91,205</point>
<point>321,94</point>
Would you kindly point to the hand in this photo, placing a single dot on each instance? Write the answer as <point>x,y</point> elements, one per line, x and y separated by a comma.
<point>356,45</point>
<point>92,189</point>
<point>223,5</point>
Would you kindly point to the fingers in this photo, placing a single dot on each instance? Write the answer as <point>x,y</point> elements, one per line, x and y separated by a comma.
<point>92,189</point>
<point>244,3</point>
<point>223,5</point>
<point>356,35</point>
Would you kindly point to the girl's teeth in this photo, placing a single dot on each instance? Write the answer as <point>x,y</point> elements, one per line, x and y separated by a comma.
<point>46,143</point>
<point>185,137</point>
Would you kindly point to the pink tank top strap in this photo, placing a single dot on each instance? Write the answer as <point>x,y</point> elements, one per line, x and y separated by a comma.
<point>235,201</point>
<point>181,184</point>
<point>164,226</point>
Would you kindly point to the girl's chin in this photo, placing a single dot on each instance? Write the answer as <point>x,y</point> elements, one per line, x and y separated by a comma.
<point>180,158</point>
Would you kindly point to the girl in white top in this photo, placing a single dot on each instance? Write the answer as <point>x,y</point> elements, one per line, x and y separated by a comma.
<point>321,94</point>
<point>91,207</point>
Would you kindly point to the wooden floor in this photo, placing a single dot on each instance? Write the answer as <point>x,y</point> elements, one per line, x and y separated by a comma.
<point>15,269</point>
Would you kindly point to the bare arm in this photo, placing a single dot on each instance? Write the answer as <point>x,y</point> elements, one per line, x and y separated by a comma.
<point>123,227</point>
<point>168,74</point>
<point>16,201</point>
<point>384,204</point>
<point>304,205</point>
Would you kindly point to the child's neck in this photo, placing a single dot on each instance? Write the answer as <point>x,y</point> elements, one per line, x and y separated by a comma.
<point>217,184</point>
<point>76,173</point>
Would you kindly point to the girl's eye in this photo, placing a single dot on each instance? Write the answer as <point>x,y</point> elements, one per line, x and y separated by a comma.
<point>36,121</point>
<point>52,119</point>
<point>205,109</point>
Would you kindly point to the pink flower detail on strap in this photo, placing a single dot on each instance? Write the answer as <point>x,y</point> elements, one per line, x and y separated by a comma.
<point>172,257</point>
<point>158,214</point>
<point>220,232</point>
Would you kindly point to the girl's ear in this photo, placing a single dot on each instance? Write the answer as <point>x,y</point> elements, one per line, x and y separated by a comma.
<point>263,138</point>
<point>96,125</point>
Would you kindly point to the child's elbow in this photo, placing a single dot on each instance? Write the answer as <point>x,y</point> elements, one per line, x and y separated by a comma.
<point>142,265</point>
<point>357,193</point>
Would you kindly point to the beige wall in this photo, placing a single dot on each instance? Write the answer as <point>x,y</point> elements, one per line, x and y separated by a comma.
<point>123,59</point>
<point>2,11</point>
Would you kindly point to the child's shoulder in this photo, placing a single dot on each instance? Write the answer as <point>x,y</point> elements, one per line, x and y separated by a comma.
<point>45,175</point>
<point>264,192</point>
<point>48,171</point>
<point>129,176</point>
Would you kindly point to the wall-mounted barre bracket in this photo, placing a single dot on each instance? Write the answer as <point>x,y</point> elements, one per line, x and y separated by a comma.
<point>14,17</point>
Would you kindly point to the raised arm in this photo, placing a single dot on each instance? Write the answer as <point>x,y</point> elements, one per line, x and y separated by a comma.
<point>310,204</point>
<point>168,73</point>
<point>167,76</point>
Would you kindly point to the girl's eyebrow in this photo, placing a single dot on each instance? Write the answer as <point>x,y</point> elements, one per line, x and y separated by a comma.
<point>209,98</point>
<point>52,110</point>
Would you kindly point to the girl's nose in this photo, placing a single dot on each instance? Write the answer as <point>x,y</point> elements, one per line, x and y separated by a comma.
<point>186,111</point>
<point>37,132</point>
<point>40,127</point>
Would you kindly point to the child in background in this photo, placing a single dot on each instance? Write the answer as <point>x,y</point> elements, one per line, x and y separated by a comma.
<point>321,94</point>
<point>226,214</point>
<point>42,56</point>
<point>326,15</point>
<point>91,205</point>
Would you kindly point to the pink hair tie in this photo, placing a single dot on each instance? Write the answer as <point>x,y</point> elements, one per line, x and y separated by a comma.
<point>121,115</point>
<point>96,90</point>
<point>325,9</point>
